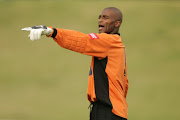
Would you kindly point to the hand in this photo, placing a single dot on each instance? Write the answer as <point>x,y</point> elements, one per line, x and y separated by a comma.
<point>37,31</point>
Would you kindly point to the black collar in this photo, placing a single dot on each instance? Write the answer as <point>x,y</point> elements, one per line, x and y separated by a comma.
<point>117,33</point>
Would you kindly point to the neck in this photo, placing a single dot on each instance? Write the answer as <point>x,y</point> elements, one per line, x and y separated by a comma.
<point>116,30</point>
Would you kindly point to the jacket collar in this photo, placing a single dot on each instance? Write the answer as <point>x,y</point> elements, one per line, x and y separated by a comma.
<point>117,33</point>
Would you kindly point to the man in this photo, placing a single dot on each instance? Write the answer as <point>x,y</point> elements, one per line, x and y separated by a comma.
<point>108,83</point>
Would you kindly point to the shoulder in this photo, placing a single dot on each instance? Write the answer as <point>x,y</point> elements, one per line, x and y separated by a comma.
<point>110,36</point>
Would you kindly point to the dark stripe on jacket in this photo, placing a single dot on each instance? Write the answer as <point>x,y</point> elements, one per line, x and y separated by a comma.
<point>101,81</point>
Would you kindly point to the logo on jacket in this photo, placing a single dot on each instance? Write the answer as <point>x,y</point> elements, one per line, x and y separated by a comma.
<point>93,36</point>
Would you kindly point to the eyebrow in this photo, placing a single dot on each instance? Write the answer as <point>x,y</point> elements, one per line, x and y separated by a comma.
<point>104,16</point>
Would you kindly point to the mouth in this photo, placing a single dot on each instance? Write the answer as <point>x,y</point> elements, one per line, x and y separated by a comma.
<point>101,27</point>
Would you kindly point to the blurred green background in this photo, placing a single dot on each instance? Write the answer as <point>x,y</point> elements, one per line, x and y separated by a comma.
<point>41,81</point>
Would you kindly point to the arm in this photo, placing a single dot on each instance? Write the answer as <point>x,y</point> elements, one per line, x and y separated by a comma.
<point>92,44</point>
<point>96,45</point>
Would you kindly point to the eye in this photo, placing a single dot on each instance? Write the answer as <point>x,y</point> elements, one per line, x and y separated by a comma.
<point>105,17</point>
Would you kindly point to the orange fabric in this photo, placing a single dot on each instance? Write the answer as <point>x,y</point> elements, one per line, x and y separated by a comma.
<point>106,45</point>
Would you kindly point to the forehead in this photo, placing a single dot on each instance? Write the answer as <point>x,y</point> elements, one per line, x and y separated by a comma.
<point>107,12</point>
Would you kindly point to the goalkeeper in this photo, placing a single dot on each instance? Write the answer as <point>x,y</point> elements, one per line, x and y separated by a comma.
<point>108,82</point>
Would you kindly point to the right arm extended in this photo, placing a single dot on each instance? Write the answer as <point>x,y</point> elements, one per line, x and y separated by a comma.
<point>91,44</point>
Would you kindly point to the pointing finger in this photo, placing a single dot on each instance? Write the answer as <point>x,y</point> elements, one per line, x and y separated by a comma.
<point>26,29</point>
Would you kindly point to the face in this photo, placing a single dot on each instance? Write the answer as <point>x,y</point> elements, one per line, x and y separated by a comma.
<point>107,22</point>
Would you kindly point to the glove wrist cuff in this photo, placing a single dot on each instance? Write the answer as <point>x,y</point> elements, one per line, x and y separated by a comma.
<point>53,34</point>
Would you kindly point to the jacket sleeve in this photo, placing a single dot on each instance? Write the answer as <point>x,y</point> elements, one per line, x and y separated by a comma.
<point>92,44</point>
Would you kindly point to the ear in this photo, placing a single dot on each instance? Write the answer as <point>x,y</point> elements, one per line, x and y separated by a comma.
<point>117,23</point>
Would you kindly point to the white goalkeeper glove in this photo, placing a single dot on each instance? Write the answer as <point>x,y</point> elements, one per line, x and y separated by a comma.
<point>37,31</point>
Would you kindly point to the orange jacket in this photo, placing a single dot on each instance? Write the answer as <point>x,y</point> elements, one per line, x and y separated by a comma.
<point>108,80</point>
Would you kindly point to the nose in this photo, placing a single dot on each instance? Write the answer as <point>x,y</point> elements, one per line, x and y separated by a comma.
<point>100,20</point>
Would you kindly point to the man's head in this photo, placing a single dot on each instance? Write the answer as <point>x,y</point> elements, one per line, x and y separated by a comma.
<point>110,20</point>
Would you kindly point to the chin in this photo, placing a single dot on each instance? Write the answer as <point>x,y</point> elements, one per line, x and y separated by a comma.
<point>102,32</point>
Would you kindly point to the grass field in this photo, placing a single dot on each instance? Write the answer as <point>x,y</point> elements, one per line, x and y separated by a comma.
<point>41,81</point>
